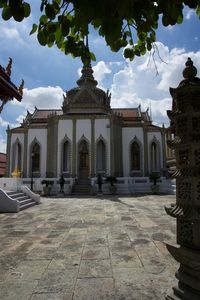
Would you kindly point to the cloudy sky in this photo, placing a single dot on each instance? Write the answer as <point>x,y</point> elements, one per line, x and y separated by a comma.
<point>48,73</point>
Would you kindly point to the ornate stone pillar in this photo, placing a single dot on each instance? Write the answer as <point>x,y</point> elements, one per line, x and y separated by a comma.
<point>8,151</point>
<point>74,154</point>
<point>92,147</point>
<point>112,145</point>
<point>186,120</point>
<point>163,150</point>
<point>52,146</point>
<point>25,151</point>
<point>145,154</point>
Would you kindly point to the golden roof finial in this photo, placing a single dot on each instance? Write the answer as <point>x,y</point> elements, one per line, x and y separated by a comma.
<point>9,66</point>
<point>21,87</point>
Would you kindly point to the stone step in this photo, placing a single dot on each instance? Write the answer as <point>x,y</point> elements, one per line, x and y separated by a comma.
<point>32,203</point>
<point>81,189</point>
<point>15,195</point>
<point>26,201</point>
<point>21,198</point>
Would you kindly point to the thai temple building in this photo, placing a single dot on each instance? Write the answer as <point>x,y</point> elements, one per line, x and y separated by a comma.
<point>86,137</point>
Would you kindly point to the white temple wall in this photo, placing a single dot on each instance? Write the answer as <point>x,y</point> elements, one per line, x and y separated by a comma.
<point>158,137</point>
<point>14,138</point>
<point>41,136</point>
<point>83,127</point>
<point>102,128</point>
<point>65,129</point>
<point>128,134</point>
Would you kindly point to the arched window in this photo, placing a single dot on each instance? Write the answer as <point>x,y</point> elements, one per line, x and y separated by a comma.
<point>35,158</point>
<point>66,157</point>
<point>100,157</point>
<point>154,157</point>
<point>135,157</point>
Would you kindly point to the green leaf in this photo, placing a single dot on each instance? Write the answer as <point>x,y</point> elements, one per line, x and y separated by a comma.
<point>27,9</point>
<point>198,10</point>
<point>43,19</point>
<point>180,19</point>
<point>51,27</point>
<point>42,38</point>
<point>3,3</point>
<point>17,10</point>
<point>6,13</point>
<point>92,56</point>
<point>34,29</point>
<point>65,26</point>
<point>128,53</point>
<point>50,12</point>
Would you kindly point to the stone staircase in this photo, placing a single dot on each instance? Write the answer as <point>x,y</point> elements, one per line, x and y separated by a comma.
<point>24,200</point>
<point>82,187</point>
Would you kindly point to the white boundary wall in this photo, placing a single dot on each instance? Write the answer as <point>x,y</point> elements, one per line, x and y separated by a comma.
<point>125,185</point>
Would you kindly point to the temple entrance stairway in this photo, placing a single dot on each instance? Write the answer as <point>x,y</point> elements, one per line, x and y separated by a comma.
<point>82,187</point>
<point>24,200</point>
<point>15,201</point>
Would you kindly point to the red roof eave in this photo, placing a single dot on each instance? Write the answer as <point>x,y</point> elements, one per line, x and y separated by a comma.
<point>9,89</point>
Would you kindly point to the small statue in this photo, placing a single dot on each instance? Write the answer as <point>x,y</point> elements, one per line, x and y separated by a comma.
<point>99,181</point>
<point>62,182</point>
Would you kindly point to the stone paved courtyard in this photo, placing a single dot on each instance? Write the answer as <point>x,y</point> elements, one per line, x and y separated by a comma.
<point>88,248</point>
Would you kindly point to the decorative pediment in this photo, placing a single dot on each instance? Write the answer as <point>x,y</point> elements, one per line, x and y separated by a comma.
<point>85,96</point>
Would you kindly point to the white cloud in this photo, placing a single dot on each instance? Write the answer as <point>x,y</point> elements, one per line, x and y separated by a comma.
<point>100,71</point>
<point>14,32</point>
<point>42,97</point>
<point>189,14</point>
<point>136,82</point>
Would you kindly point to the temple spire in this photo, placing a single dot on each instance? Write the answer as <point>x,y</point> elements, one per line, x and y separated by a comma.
<point>87,77</point>
<point>190,70</point>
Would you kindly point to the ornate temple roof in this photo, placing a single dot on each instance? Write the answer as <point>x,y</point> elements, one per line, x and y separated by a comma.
<point>87,97</point>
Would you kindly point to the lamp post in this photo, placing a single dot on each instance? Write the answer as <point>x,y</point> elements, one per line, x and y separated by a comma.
<point>32,155</point>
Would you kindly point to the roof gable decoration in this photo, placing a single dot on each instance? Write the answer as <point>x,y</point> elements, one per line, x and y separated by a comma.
<point>8,90</point>
<point>85,96</point>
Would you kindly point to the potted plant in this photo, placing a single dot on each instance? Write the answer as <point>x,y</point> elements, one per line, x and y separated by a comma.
<point>112,180</point>
<point>47,184</point>
<point>154,187</point>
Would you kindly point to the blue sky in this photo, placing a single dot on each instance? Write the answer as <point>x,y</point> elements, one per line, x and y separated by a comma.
<point>48,72</point>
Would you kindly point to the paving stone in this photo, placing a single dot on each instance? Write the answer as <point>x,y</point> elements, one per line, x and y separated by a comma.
<point>92,252</point>
<point>94,289</point>
<point>28,270</point>
<point>52,296</point>
<point>17,290</point>
<point>95,268</point>
<point>65,263</point>
<point>57,281</point>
